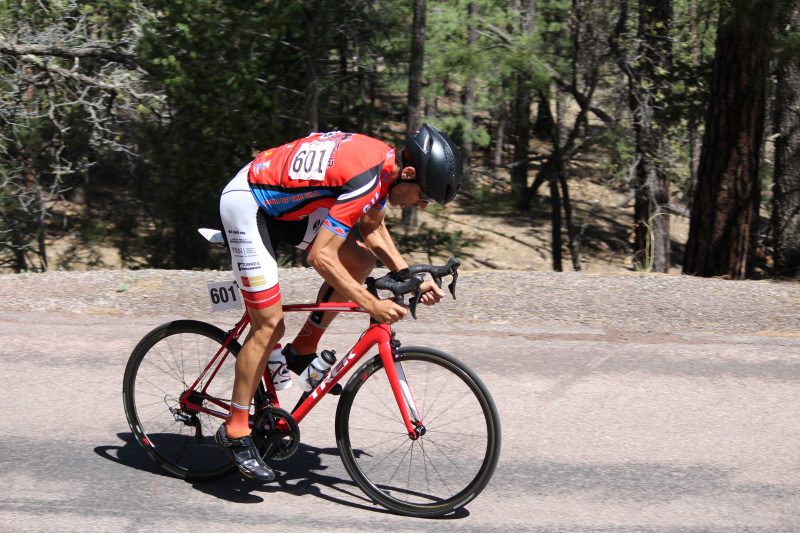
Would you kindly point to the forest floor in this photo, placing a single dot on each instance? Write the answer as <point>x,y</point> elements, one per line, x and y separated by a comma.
<point>478,228</point>
<point>502,239</point>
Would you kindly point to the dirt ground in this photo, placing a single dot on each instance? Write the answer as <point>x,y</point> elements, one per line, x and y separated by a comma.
<point>484,237</point>
<point>523,241</point>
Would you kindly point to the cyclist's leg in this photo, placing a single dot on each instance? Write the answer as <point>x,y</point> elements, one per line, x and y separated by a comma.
<point>359,262</point>
<point>255,268</point>
<point>256,271</point>
<point>266,329</point>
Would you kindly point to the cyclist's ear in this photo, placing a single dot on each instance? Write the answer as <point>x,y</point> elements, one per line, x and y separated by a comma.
<point>408,174</point>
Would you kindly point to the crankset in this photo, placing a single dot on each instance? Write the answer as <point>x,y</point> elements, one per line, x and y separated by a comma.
<point>276,433</point>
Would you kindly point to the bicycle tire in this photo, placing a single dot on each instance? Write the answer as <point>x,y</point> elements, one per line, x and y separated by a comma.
<point>161,367</point>
<point>447,466</point>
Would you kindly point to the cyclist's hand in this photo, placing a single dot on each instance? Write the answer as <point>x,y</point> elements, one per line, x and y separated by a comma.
<point>431,293</point>
<point>387,312</point>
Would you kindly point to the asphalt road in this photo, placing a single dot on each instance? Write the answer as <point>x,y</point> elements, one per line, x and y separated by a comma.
<point>601,432</point>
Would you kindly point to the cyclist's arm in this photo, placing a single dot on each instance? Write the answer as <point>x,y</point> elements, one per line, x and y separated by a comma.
<point>379,240</point>
<point>324,257</point>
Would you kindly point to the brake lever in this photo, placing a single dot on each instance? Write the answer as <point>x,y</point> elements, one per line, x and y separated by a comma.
<point>452,285</point>
<point>400,289</point>
<point>417,281</point>
<point>453,265</point>
<point>412,304</point>
<point>400,299</point>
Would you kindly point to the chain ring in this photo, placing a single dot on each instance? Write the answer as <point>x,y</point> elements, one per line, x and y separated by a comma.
<point>276,443</point>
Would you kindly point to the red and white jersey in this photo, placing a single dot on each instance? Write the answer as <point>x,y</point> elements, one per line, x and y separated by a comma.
<point>346,173</point>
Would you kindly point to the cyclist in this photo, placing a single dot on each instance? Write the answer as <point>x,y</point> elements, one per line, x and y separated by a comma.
<point>310,193</point>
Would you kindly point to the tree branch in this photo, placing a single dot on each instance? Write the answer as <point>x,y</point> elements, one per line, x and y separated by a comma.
<point>109,53</point>
<point>77,76</point>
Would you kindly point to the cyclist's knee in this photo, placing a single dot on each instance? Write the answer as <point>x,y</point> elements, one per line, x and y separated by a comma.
<point>360,261</point>
<point>365,266</point>
<point>267,324</point>
<point>276,326</point>
<point>266,335</point>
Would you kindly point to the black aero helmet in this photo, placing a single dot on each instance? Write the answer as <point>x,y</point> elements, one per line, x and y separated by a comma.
<point>437,162</point>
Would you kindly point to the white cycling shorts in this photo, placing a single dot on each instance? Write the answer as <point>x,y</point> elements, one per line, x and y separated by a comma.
<point>252,240</point>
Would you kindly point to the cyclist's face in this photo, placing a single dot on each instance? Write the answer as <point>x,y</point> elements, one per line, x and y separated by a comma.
<point>407,194</point>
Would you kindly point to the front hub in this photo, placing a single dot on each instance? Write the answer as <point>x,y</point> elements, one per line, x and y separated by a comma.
<point>418,432</point>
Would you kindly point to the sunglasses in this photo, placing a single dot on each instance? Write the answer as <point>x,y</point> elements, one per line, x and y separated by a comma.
<point>423,196</point>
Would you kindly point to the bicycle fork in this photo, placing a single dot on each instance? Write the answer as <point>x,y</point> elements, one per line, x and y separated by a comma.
<point>382,336</point>
<point>400,388</point>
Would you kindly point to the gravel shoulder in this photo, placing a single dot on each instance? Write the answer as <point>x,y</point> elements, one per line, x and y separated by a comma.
<point>625,303</point>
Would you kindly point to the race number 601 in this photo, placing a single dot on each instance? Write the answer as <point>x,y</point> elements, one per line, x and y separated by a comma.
<point>224,295</point>
<point>311,161</point>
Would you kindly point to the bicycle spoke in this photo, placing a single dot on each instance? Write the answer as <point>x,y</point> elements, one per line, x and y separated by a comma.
<point>386,431</point>
<point>447,464</point>
<point>161,368</point>
<point>175,360</point>
<point>388,454</point>
<point>155,386</point>
<point>170,370</point>
<point>399,464</point>
<point>392,418</point>
<point>436,470</point>
<point>461,420</point>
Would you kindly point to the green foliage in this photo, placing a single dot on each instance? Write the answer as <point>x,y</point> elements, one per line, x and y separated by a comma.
<point>224,80</point>
<point>237,81</point>
<point>485,199</point>
<point>56,127</point>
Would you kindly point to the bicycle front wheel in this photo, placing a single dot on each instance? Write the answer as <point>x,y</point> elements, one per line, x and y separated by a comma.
<point>164,364</point>
<point>444,468</point>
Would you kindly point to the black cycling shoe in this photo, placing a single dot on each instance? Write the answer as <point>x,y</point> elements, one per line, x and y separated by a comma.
<point>245,454</point>
<point>298,363</point>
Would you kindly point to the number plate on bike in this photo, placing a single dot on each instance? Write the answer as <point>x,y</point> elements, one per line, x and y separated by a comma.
<point>224,295</point>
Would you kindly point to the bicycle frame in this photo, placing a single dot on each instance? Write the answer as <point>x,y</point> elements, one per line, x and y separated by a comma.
<point>376,334</point>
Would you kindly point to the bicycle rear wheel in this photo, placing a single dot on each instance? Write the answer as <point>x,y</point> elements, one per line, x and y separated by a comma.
<point>443,469</point>
<point>164,364</point>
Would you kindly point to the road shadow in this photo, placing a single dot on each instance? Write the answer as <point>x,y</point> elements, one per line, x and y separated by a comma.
<point>300,475</point>
<point>130,454</point>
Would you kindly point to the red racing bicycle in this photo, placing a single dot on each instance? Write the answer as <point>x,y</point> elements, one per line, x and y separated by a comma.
<point>416,429</point>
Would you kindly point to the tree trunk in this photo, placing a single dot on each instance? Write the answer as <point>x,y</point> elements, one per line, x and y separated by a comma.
<point>572,235</point>
<point>522,112</point>
<point>313,39</point>
<point>651,222</point>
<point>416,66</point>
<point>724,220</point>
<point>345,107</point>
<point>469,95</point>
<point>553,172</point>
<point>415,70</point>
<point>555,210</point>
<point>366,84</point>
<point>786,188</point>
<point>693,124</point>
<point>500,136</point>
<point>544,119</point>
<point>522,128</point>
